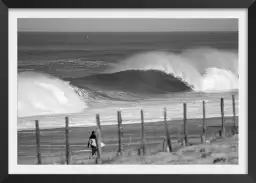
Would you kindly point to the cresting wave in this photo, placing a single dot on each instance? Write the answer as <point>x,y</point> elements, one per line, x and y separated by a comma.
<point>204,69</point>
<point>145,73</point>
<point>135,82</point>
<point>40,94</point>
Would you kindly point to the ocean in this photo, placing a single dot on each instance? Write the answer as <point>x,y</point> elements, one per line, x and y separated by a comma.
<point>81,74</point>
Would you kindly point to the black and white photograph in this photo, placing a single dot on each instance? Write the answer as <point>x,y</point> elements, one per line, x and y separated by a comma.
<point>128,91</point>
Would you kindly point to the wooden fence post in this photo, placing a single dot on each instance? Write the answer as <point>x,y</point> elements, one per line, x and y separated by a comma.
<point>164,145</point>
<point>222,132</point>
<point>234,113</point>
<point>185,123</point>
<point>203,139</point>
<point>98,140</point>
<point>120,145</point>
<point>167,132</point>
<point>39,160</point>
<point>142,133</point>
<point>67,141</point>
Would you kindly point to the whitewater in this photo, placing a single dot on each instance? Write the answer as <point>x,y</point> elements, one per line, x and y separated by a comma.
<point>197,70</point>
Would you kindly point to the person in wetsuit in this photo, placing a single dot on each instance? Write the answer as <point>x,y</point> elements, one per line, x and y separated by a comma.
<point>92,143</point>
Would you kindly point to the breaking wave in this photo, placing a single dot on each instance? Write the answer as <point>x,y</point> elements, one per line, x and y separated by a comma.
<point>133,81</point>
<point>142,74</point>
<point>40,94</point>
<point>202,69</point>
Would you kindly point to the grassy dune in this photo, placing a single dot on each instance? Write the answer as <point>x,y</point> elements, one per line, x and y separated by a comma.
<point>221,151</point>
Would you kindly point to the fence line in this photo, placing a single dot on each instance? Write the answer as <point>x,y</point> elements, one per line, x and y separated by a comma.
<point>98,140</point>
<point>222,131</point>
<point>167,132</point>
<point>185,124</point>
<point>67,141</point>
<point>234,111</point>
<point>39,160</point>
<point>166,142</point>
<point>142,133</point>
<point>203,138</point>
<point>120,144</point>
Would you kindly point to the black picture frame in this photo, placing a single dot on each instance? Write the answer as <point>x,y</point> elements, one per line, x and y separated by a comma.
<point>6,4</point>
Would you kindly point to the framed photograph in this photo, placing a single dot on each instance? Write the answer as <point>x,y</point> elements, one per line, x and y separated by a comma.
<point>126,91</point>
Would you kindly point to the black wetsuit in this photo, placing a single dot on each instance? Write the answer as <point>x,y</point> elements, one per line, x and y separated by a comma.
<point>92,143</point>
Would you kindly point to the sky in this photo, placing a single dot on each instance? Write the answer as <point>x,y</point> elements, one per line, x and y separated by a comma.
<point>125,25</point>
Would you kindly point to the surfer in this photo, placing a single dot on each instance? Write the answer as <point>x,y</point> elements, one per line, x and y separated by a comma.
<point>92,143</point>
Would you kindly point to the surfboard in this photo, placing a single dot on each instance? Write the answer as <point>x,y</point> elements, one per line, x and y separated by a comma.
<point>93,142</point>
<point>102,144</point>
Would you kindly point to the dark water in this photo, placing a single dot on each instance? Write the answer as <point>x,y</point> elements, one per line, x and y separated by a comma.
<point>112,46</point>
<point>136,82</point>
